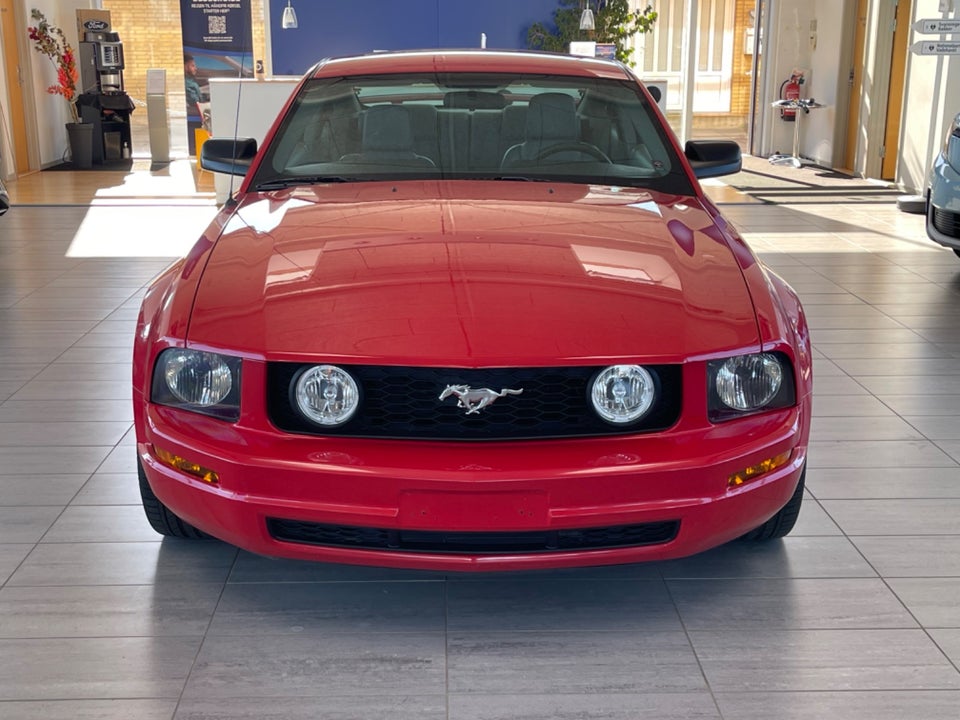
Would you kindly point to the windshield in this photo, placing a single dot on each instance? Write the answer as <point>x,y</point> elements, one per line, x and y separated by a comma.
<point>472,126</point>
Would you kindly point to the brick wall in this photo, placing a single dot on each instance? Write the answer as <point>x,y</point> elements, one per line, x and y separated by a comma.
<point>740,86</point>
<point>150,32</point>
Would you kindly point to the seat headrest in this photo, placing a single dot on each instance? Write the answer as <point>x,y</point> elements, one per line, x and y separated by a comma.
<point>386,128</point>
<point>552,116</point>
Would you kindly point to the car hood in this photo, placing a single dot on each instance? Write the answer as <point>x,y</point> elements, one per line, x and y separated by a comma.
<point>471,274</point>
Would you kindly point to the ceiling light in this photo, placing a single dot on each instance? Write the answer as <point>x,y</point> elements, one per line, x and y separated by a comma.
<point>586,19</point>
<point>289,21</point>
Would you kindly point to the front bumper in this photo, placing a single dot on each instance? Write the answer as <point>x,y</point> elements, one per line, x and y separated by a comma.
<point>943,204</point>
<point>474,490</point>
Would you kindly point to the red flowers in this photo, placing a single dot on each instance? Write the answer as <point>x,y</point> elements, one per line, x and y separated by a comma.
<point>50,41</point>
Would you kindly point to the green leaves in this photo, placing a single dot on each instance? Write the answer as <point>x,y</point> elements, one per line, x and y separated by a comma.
<point>614,24</point>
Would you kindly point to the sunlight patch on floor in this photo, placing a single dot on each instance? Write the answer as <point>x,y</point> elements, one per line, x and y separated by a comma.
<point>139,230</point>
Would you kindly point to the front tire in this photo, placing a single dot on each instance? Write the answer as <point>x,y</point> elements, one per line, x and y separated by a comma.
<point>160,517</point>
<point>782,523</point>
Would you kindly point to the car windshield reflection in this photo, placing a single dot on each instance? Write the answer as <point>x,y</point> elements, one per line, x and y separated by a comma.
<point>472,127</point>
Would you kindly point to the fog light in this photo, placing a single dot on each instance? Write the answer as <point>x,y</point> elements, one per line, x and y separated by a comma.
<point>755,471</point>
<point>184,465</point>
<point>623,394</point>
<point>327,395</point>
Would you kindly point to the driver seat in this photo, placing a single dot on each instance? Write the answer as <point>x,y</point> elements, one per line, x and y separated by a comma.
<point>387,138</point>
<point>551,120</point>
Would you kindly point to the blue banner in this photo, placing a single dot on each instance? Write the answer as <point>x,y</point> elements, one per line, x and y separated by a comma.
<point>332,29</point>
<point>217,42</point>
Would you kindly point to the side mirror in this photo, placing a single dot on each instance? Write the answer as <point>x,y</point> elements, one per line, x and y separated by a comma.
<point>228,155</point>
<point>712,158</point>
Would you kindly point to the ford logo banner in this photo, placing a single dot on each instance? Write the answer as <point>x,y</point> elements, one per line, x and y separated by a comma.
<point>95,25</point>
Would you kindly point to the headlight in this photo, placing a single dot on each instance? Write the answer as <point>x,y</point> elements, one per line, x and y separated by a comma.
<point>326,395</point>
<point>953,130</point>
<point>951,147</point>
<point>749,383</point>
<point>623,393</point>
<point>202,382</point>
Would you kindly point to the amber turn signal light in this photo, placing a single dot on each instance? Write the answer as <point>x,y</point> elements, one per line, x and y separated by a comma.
<point>184,465</point>
<point>755,471</point>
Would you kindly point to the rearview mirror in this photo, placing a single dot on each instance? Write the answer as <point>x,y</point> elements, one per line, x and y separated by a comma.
<point>713,158</point>
<point>228,155</point>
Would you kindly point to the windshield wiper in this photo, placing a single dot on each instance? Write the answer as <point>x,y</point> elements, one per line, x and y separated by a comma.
<point>280,183</point>
<point>520,178</point>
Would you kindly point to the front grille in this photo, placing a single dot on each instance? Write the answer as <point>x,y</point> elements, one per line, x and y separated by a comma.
<point>489,543</point>
<point>403,402</point>
<point>946,222</point>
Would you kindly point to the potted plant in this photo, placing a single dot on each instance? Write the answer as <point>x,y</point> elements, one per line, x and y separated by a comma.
<point>50,41</point>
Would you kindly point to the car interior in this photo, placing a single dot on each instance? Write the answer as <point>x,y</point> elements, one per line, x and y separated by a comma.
<point>573,129</point>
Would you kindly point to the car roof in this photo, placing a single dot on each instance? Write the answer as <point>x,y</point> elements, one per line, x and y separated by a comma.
<point>414,61</point>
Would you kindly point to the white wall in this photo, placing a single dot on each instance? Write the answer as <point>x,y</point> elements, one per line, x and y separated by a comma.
<point>788,49</point>
<point>932,99</point>
<point>52,110</point>
<point>792,48</point>
<point>820,140</point>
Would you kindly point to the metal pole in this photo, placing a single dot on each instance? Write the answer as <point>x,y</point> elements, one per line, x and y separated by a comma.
<point>753,137</point>
<point>691,40</point>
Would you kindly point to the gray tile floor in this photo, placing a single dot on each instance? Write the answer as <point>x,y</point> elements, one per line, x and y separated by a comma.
<point>855,615</point>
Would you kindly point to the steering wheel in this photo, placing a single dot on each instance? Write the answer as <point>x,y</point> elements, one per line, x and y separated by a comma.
<point>580,147</point>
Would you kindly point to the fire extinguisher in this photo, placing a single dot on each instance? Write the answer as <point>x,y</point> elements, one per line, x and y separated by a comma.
<point>790,90</point>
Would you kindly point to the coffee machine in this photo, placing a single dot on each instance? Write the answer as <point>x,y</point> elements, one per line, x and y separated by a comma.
<point>101,62</point>
<point>103,101</point>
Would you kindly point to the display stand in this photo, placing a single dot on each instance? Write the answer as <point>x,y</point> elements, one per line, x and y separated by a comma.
<point>110,117</point>
<point>157,121</point>
<point>801,107</point>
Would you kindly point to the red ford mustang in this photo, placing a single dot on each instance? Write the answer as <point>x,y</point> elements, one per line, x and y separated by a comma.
<point>471,311</point>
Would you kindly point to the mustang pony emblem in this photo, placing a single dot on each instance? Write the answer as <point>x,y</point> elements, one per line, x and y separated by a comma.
<point>475,400</point>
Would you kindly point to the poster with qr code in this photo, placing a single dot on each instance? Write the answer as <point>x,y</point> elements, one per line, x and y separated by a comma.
<point>217,24</point>
<point>217,42</point>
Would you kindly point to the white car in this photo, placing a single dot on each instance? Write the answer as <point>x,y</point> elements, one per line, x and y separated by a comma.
<point>943,192</point>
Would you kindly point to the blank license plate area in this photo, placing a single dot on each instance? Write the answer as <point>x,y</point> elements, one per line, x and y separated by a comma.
<point>480,512</point>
